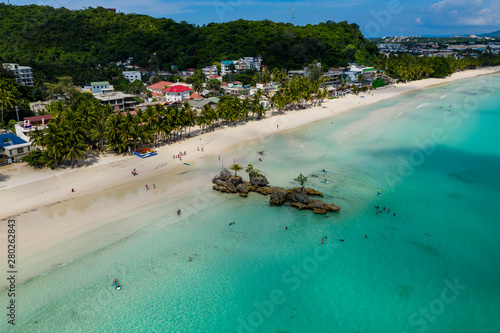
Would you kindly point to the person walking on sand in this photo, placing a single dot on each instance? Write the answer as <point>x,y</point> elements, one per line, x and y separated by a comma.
<point>147,187</point>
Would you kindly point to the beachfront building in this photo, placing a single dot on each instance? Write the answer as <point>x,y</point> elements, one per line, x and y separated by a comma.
<point>29,124</point>
<point>333,78</point>
<point>23,74</point>
<point>210,71</point>
<point>177,93</point>
<point>12,147</point>
<point>118,100</point>
<point>265,87</point>
<point>100,87</point>
<point>132,75</point>
<point>355,71</point>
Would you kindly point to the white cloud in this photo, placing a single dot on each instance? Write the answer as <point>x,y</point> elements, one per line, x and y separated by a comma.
<point>446,4</point>
<point>418,20</point>
<point>467,12</point>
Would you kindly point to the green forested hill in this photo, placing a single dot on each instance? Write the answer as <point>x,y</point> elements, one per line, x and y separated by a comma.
<point>64,42</point>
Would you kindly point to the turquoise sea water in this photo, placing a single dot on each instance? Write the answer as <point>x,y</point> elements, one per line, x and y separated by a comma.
<point>434,267</point>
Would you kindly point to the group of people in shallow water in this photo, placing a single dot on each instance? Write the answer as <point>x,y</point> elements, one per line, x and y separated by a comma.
<point>383,209</point>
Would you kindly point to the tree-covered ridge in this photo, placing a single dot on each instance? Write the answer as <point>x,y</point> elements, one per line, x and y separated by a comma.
<point>58,42</point>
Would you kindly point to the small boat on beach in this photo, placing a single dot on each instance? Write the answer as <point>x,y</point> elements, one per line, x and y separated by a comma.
<point>145,152</point>
<point>116,285</point>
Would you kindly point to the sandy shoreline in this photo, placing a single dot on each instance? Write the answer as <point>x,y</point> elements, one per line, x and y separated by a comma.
<point>55,225</point>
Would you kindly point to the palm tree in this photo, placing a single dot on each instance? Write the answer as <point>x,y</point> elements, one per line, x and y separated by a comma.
<point>113,131</point>
<point>127,132</point>
<point>150,118</point>
<point>98,132</point>
<point>165,127</point>
<point>53,141</point>
<point>7,96</point>
<point>245,108</point>
<point>197,86</point>
<point>36,138</point>
<point>214,86</point>
<point>235,167</point>
<point>188,114</point>
<point>75,151</point>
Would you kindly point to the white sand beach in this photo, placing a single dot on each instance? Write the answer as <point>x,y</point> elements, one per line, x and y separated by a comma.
<point>55,225</point>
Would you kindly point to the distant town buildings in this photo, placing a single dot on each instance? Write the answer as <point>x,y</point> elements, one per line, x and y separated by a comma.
<point>100,87</point>
<point>132,75</point>
<point>414,45</point>
<point>224,67</point>
<point>23,74</point>
<point>39,107</point>
<point>210,71</point>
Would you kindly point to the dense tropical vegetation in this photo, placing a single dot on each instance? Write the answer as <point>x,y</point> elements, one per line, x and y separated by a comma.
<point>407,67</point>
<point>83,125</point>
<point>81,43</point>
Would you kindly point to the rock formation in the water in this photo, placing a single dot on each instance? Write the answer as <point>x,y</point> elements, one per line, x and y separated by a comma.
<point>298,197</point>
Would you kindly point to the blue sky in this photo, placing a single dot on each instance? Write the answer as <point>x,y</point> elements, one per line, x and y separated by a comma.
<point>376,18</point>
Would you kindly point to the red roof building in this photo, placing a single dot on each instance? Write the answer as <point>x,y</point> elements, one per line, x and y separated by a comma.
<point>195,95</point>
<point>37,120</point>
<point>176,89</point>
<point>177,93</point>
<point>157,88</point>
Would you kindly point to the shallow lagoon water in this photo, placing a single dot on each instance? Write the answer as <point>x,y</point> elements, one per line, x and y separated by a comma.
<point>431,268</point>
